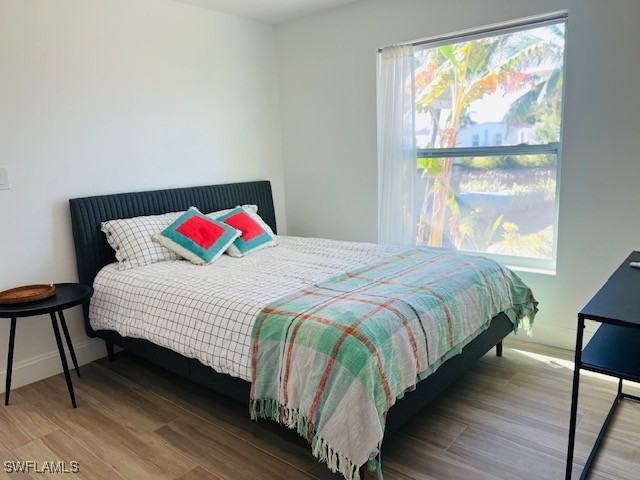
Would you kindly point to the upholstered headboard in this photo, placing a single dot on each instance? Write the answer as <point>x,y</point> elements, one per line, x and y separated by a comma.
<point>92,250</point>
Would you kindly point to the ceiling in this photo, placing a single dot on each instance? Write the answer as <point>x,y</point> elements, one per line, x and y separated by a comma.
<point>270,11</point>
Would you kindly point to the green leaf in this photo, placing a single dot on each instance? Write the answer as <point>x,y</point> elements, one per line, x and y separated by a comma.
<point>452,203</point>
<point>447,52</point>
<point>431,166</point>
<point>466,230</point>
<point>497,223</point>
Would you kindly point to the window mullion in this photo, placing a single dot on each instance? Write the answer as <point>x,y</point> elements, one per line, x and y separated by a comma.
<point>525,149</point>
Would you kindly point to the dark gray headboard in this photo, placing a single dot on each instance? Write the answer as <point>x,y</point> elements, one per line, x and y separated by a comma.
<point>92,250</point>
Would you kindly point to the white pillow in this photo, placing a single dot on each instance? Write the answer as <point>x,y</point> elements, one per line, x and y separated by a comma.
<point>249,208</point>
<point>131,239</point>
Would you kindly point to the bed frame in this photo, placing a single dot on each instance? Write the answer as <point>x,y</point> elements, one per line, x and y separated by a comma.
<point>93,252</point>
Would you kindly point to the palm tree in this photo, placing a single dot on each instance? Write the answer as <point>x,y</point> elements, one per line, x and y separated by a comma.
<point>450,77</point>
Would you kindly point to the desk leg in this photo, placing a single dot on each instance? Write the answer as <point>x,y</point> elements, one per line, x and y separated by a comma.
<point>63,358</point>
<point>620,387</point>
<point>12,339</point>
<point>574,397</point>
<point>65,330</point>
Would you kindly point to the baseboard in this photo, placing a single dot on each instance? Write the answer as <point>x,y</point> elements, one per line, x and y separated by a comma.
<point>556,335</point>
<point>48,364</point>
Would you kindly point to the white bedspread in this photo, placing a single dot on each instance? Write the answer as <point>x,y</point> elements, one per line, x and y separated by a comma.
<point>207,312</point>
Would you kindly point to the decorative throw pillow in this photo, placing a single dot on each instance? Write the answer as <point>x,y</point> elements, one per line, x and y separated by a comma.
<point>131,239</point>
<point>196,237</point>
<point>255,234</point>
<point>253,209</point>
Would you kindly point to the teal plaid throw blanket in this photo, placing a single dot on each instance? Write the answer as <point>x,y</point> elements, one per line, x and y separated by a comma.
<point>332,359</point>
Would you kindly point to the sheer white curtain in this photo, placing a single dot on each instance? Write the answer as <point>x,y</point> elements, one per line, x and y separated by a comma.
<point>397,169</point>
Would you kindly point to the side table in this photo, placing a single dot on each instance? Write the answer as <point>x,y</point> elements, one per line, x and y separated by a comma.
<point>67,295</point>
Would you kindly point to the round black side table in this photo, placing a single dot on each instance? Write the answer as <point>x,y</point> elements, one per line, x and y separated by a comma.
<point>67,295</point>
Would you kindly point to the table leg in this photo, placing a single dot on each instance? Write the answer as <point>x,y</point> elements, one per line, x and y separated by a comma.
<point>574,397</point>
<point>620,387</point>
<point>65,330</point>
<point>63,358</point>
<point>12,339</point>
<point>499,349</point>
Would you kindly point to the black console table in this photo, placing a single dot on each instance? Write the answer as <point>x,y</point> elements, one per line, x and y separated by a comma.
<point>613,350</point>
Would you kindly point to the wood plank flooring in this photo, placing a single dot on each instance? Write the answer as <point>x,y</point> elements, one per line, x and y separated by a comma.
<point>506,419</point>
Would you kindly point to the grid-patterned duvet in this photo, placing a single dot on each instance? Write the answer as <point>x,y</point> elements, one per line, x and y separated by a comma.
<point>207,312</point>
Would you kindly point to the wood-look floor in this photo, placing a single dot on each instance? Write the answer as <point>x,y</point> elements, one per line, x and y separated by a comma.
<point>506,419</point>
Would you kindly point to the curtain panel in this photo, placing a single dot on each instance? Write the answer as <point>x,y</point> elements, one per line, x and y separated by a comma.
<point>397,171</point>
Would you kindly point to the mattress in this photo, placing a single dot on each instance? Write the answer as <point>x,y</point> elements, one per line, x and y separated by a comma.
<point>208,312</point>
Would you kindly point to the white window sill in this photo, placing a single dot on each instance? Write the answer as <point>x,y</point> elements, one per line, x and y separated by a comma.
<point>535,266</point>
<point>536,271</point>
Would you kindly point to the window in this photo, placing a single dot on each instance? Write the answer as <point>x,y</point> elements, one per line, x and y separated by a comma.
<point>501,197</point>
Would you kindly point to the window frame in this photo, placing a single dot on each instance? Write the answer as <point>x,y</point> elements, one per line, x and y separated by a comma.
<point>537,265</point>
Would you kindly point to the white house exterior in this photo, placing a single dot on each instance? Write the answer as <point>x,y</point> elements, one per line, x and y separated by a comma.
<point>493,134</point>
<point>486,134</point>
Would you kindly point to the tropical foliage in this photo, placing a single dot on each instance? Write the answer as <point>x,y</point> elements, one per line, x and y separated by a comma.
<point>524,67</point>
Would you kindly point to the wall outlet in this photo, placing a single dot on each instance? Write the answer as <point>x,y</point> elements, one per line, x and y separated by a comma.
<point>4,179</point>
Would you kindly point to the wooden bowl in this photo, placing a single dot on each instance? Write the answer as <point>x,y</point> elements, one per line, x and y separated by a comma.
<point>28,293</point>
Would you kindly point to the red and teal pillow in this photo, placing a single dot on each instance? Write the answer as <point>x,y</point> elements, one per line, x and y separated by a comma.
<point>196,237</point>
<point>255,234</point>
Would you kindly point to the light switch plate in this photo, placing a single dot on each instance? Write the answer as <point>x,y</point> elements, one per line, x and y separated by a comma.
<point>4,179</point>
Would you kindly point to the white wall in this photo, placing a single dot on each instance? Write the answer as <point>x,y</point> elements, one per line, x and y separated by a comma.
<point>105,96</point>
<point>327,69</point>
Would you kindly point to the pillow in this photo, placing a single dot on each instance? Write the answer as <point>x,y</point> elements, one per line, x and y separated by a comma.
<point>196,237</point>
<point>252,210</point>
<point>255,234</point>
<point>131,239</point>
<point>249,208</point>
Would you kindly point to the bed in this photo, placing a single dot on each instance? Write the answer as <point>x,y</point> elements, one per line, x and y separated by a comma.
<point>94,256</point>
